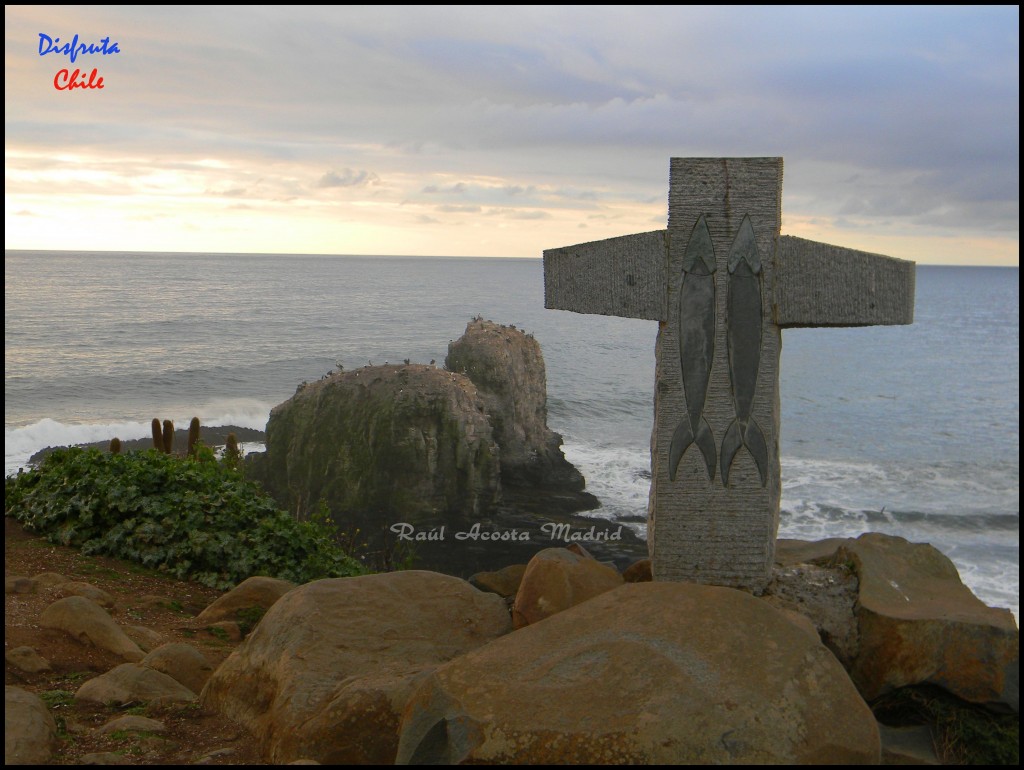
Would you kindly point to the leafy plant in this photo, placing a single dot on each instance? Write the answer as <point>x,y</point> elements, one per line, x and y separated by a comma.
<point>965,733</point>
<point>190,517</point>
<point>248,617</point>
<point>56,698</point>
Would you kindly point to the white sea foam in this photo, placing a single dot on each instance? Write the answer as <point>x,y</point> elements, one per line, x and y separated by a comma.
<point>619,477</point>
<point>21,443</point>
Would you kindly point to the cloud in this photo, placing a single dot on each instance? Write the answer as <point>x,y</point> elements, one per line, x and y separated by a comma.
<point>904,115</point>
<point>348,178</point>
<point>450,208</point>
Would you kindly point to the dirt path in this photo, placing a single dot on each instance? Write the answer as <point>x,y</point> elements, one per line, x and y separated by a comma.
<point>143,598</point>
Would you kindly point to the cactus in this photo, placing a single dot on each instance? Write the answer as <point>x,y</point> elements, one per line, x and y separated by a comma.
<point>193,436</point>
<point>158,436</point>
<point>115,446</point>
<point>232,454</point>
<point>168,437</point>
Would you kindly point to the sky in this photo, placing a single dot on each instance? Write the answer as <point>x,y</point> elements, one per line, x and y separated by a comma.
<point>472,131</point>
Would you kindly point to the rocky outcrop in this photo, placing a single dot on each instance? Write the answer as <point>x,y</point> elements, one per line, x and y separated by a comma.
<point>327,672</point>
<point>507,368</point>
<point>919,624</point>
<point>897,614</point>
<point>648,673</point>
<point>397,443</point>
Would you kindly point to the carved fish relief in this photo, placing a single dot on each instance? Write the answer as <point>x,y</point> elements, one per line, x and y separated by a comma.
<point>696,347</point>
<point>743,336</point>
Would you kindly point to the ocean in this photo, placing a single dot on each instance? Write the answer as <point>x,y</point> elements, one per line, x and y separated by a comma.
<point>909,430</point>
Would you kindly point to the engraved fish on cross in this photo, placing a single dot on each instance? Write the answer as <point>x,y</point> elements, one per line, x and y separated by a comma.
<point>696,347</point>
<point>743,337</point>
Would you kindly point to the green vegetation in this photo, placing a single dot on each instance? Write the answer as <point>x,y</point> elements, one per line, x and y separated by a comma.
<point>965,734</point>
<point>191,517</point>
<point>248,617</point>
<point>57,698</point>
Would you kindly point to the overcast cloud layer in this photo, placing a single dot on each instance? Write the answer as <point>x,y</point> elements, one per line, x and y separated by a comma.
<point>504,131</point>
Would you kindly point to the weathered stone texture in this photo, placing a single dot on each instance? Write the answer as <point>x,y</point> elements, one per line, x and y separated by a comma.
<point>648,673</point>
<point>90,624</point>
<point>507,368</point>
<point>823,285</point>
<point>258,593</point>
<point>327,672</point>
<point>131,683</point>
<point>410,439</point>
<point>699,530</point>
<point>557,579</point>
<point>726,308</point>
<point>182,662</point>
<point>919,624</point>
<point>30,734</point>
<point>624,276</point>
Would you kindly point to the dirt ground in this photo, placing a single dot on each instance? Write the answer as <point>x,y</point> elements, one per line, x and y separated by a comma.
<point>193,735</point>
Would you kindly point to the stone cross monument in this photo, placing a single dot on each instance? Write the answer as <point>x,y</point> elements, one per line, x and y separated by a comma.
<point>722,283</point>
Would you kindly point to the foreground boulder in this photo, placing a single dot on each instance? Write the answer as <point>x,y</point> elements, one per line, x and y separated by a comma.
<point>507,368</point>
<point>89,623</point>
<point>30,734</point>
<point>247,601</point>
<point>327,672</point>
<point>557,579</point>
<point>131,683</point>
<point>182,662</point>
<point>404,443</point>
<point>919,624</point>
<point>649,673</point>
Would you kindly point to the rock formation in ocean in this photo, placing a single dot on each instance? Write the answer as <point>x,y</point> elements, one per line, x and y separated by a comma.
<point>384,444</point>
<point>432,449</point>
<point>507,368</point>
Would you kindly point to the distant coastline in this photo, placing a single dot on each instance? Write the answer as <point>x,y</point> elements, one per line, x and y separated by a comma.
<point>215,436</point>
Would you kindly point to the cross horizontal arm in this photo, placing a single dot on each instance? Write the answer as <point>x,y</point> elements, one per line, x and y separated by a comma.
<point>817,284</point>
<point>625,276</point>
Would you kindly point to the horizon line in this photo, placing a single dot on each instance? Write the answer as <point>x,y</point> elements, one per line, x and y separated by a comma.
<point>373,256</point>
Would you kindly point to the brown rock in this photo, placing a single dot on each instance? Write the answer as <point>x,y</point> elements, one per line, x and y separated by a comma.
<point>89,591</point>
<point>17,584</point>
<point>49,579</point>
<point>132,682</point>
<point>246,601</point>
<point>89,624</point>
<point>228,630</point>
<point>146,638</point>
<point>826,596</point>
<point>648,673</point>
<point>505,582</point>
<point>133,724</point>
<point>579,550</point>
<point>27,659</point>
<point>638,572</point>
<point>908,745</point>
<point>789,552</point>
<point>326,673</point>
<point>30,734</point>
<point>557,579</point>
<point>183,663</point>
<point>919,623</point>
